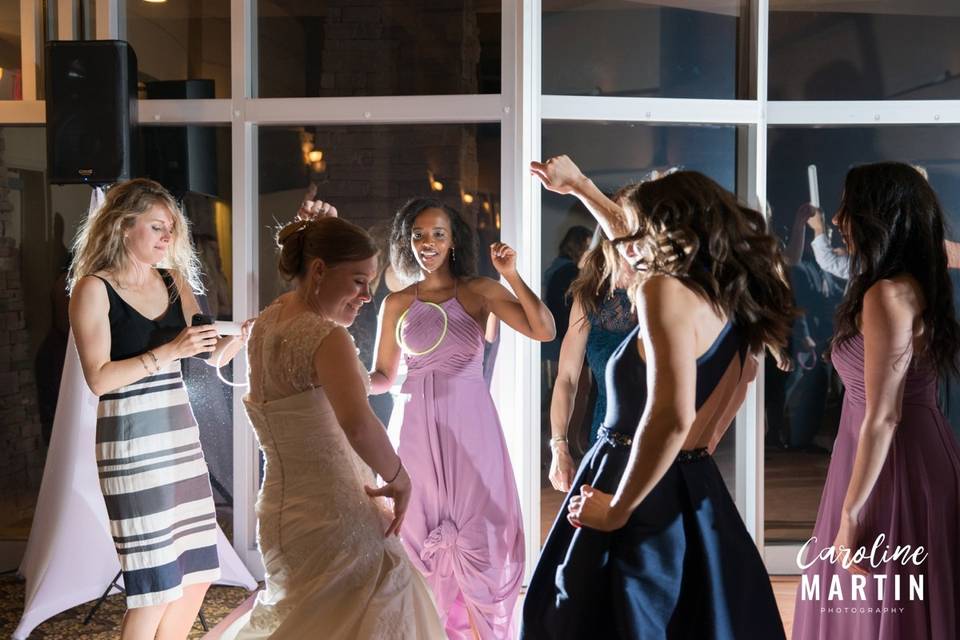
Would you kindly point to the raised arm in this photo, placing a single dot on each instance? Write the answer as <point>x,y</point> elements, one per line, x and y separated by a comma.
<point>890,308</point>
<point>572,351</point>
<point>344,387</point>
<point>89,309</point>
<point>524,312</point>
<point>561,175</point>
<point>388,351</point>
<point>669,341</point>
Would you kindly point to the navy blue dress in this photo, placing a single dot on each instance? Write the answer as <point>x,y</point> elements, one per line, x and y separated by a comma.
<point>608,327</point>
<point>684,565</point>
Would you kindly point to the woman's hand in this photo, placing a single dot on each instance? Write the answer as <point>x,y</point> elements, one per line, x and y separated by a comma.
<point>593,509</point>
<point>561,467</point>
<point>558,174</point>
<point>246,328</point>
<point>847,537</point>
<point>201,338</point>
<point>504,259</point>
<point>312,208</point>
<point>399,491</point>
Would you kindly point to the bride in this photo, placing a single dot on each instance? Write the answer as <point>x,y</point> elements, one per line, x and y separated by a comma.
<point>334,566</point>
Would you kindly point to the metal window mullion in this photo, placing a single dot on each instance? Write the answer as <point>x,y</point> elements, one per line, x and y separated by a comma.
<point>246,476</point>
<point>863,112</point>
<point>108,19</point>
<point>375,110</point>
<point>31,47</point>
<point>517,376</point>
<point>204,111</point>
<point>651,110</point>
<point>66,18</point>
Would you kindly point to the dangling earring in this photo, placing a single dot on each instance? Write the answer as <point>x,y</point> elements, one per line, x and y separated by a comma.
<point>453,254</point>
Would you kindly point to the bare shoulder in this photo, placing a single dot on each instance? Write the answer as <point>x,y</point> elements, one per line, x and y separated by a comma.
<point>896,297</point>
<point>667,297</point>
<point>90,288</point>
<point>398,301</point>
<point>481,285</point>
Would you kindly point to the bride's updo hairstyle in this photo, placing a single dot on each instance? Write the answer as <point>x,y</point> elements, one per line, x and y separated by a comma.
<point>333,240</point>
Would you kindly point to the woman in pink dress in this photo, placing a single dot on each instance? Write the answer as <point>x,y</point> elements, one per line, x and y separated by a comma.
<point>894,480</point>
<point>463,528</point>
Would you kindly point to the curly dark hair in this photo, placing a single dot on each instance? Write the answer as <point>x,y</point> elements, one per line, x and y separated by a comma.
<point>691,228</point>
<point>464,264</point>
<point>893,224</point>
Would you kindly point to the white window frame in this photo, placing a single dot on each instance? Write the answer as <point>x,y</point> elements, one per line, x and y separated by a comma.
<point>520,109</point>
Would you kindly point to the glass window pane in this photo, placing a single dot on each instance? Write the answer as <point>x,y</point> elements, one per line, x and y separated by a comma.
<point>182,47</point>
<point>836,50</point>
<point>367,172</point>
<point>11,74</point>
<point>803,407</point>
<point>193,162</point>
<point>33,336</point>
<point>658,49</point>
<point>342,48</point>
<point>612,155</point>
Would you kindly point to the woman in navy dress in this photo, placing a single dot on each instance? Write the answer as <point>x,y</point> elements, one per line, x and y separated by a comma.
<point>649,543</point>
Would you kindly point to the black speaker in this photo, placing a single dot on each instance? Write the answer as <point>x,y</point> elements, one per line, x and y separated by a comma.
<point>181,158</point>
<point>91,111</point>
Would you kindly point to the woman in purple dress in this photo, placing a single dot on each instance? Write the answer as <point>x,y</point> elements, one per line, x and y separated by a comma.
<point>463,528</point>
<point>884,559</point>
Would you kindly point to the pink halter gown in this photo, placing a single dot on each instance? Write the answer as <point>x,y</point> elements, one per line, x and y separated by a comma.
<point>463,529</point>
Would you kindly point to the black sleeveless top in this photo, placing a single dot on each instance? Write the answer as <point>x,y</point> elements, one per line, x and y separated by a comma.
<point>131,333</point>
<point>626,377</point>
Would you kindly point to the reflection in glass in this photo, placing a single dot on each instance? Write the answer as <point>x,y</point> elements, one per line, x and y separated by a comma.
<point>37,224</point>
<point>803,407</point>
<point>367,172</point>
<point>614,154</point>
<point>193,162</point>
<point>183,42</point>
<point>655,49</point>
<point>344,48</point>
<point>836,50</point>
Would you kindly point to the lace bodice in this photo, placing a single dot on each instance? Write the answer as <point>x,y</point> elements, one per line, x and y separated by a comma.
<point>328,565</point>
<point>280,353</point>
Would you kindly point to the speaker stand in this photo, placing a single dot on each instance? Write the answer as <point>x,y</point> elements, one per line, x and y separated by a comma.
<point>113,585</point>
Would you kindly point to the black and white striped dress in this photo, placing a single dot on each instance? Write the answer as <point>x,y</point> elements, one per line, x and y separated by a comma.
<point>152,470</point>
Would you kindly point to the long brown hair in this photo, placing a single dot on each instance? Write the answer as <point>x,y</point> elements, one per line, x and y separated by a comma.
<point>692,229</point>
<point>596,280</point>
<point>893,224</point>
<point>334,240</point>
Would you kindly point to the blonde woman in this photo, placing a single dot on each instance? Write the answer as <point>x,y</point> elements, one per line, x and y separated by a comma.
<point>130,318</point>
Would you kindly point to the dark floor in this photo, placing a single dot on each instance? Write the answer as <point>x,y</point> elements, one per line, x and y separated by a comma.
<point>106,624</point>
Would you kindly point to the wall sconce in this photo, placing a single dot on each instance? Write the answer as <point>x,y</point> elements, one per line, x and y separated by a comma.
<point>467,198</point>
<point>435,185</point>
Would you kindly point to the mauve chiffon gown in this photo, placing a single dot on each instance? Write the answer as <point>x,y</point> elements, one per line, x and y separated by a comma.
<point>916,501</point>
<point>463,529</point>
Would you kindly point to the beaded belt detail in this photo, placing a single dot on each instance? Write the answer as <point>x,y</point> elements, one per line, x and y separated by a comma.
<point>616,439</point>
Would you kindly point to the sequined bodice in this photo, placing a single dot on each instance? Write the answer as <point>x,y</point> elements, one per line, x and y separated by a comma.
<point>608,327</point>
<point>460,350</point>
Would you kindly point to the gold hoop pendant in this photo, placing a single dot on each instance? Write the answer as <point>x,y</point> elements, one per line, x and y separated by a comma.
<point>403,345</point>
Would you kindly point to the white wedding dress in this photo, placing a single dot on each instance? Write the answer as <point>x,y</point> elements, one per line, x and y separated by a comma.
<point>330,573</point>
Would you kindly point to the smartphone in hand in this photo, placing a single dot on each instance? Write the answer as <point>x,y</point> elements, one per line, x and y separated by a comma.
<point>198,319</point>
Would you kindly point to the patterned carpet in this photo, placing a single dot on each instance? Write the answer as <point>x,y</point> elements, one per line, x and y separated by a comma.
<point>106,624</point>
